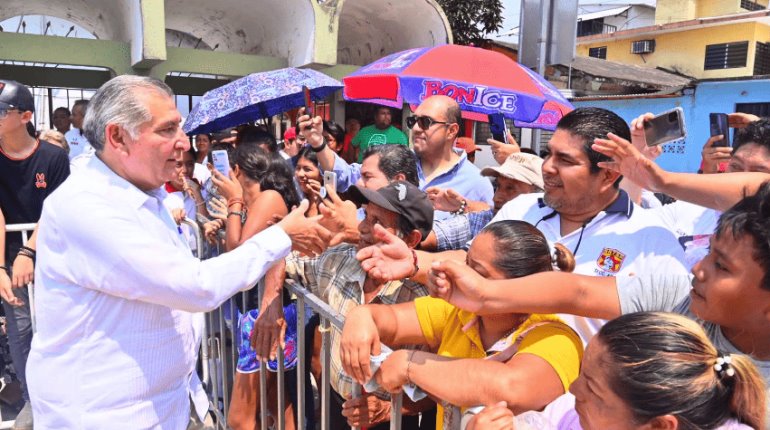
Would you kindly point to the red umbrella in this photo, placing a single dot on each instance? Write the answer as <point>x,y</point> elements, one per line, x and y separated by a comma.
<point>482,81</point>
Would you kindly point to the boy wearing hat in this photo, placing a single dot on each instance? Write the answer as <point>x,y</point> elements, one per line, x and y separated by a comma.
<point>30,170</point>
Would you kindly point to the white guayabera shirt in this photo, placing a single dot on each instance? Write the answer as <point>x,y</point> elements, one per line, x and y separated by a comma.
<point>116,288</point>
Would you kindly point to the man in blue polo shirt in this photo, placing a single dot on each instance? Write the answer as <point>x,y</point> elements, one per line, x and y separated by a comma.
<point>435,125</point>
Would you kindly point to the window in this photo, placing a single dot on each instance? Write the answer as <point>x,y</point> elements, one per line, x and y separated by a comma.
<point>751,5</point>
<point>726,55</point>
<point>598,52</point>
<point>758,109</point>
<point>762,59</point>
<point>594,26</point>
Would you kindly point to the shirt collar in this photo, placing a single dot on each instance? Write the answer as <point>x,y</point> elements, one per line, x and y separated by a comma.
<point>455,168</point>
<point>130,194</point>
<point>621,205</point>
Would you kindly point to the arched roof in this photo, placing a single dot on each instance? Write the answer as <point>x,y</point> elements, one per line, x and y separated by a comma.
<point>107,20</point>
<point>371,29</point>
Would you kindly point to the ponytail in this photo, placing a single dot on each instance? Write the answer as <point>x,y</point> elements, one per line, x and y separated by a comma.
<point>563,258</point>
<point>747,398</point>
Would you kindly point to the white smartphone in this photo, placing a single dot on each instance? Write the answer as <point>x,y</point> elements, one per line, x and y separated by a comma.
<point>330,178</point>
<point>221,161</point>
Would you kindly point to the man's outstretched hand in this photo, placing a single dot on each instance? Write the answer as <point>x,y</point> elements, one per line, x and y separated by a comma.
<point>307,235</point>
<point>390,259</point>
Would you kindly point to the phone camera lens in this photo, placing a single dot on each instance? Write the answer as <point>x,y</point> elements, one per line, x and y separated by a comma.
<point>672,117</point>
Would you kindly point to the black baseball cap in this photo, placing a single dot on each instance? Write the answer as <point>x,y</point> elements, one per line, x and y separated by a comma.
<point>402,198</point>
<point>14,95</point>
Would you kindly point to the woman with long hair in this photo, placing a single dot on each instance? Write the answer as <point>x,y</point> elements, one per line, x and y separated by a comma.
<point>649,370</point>
<point>260,186</point>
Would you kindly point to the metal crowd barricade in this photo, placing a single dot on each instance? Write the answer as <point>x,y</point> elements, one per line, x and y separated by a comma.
<point>218,363</point>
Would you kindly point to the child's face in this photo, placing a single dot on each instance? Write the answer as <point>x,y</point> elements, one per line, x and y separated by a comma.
<point>727,285</point>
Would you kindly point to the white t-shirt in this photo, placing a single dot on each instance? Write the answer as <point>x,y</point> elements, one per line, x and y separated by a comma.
<point>692,225</point>
<point>78,143</point>
<point>621,240</point>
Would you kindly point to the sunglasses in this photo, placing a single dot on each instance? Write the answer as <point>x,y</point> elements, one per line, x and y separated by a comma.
<point>425,122</point>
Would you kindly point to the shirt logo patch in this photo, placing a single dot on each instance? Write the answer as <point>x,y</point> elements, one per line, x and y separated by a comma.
<point>40,180</point>
<point>610,260</point>
<point>401,191</point>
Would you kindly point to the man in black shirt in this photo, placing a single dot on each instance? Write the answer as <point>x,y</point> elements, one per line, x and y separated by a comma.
<point>30,170</point>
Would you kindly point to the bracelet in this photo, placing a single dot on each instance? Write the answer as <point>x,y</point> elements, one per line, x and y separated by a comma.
<point>239,213</point>
<point>26,253</point>
<point>7,270</point>
<point>28,249</point>
<point>320,148</point>
<point>234,201</point>
<point>463,206</point>
<point>408,365</point>
<point>416,266</point>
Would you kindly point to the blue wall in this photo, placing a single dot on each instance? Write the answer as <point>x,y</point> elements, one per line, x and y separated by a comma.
<point>708,97</point>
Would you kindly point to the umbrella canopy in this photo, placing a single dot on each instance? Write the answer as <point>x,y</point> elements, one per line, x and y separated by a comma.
<point>483,82</point>
<point>256,96</point>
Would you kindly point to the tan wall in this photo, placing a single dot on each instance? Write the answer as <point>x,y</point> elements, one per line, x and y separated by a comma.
<point>685,51</point>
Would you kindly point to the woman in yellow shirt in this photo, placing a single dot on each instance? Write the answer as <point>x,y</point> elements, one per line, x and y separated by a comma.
<point>526,359</point>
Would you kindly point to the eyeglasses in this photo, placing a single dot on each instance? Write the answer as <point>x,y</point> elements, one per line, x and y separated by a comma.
<point>425,121</point>
<point>4,112</point>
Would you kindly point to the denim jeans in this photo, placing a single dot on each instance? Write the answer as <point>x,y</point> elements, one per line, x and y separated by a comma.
<point>19,326</point>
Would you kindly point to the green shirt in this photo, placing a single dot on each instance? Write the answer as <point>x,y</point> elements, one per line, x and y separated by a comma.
<point>372,136</point>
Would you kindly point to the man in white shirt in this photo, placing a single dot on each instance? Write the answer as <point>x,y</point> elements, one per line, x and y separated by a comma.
<point>116,284</point>
<point>75,137</point>
<point>582,208</point>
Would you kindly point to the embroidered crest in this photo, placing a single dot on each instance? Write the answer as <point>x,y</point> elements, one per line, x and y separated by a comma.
<point>40,180</point>
<point>610,260</point>
<point>401,191</point>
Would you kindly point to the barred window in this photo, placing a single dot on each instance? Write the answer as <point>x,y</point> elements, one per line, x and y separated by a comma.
<point>726,55</point>
<point>598,52</point>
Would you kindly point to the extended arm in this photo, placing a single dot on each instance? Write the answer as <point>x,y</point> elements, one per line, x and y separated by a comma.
<point>5,281</point>
<point>545,292</point>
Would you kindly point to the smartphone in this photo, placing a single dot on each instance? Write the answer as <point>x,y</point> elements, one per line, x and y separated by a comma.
<point>498,127</point>
<point>308,101</point>
<point>330,178</point>
<point>665,127</point>
<point>221,161</point>
<point>719,125</point>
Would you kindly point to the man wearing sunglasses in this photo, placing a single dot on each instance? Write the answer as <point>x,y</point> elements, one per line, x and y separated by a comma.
<point>30,170</point>
<point>435,125</point>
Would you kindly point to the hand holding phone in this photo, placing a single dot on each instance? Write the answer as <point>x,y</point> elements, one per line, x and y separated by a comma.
<point>718,124</point>
<point>330,180</point>
<point>221,162</point>
<point>498,127</point>
<point>665,127</point>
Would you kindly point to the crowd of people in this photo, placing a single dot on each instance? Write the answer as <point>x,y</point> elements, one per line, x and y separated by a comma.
<point>584,289</point>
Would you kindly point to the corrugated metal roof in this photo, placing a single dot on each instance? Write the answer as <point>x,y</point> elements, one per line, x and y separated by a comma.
<point>603,13</point>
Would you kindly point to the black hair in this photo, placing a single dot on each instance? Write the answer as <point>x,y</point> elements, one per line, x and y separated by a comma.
<point>63,109</point>
<point>751,217</point>
<point>307,152</point>
<point>522,250</point>
<point>757,132</point>
<point>336,130</point>
<point>82,103</point>
<point>664,364</point>
<point>258,135</point>
<point>193,152</point>
<point>591,123</point>
<point>271,172</point>
<point>395,159</point>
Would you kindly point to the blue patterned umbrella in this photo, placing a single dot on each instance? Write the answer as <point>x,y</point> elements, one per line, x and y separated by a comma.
<point>257,96</point>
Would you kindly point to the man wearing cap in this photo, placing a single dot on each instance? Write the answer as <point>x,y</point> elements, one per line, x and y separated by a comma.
<point>290,144</point>
<point>337,277</point>
<point>30,170</point>
<point>520,174</point>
